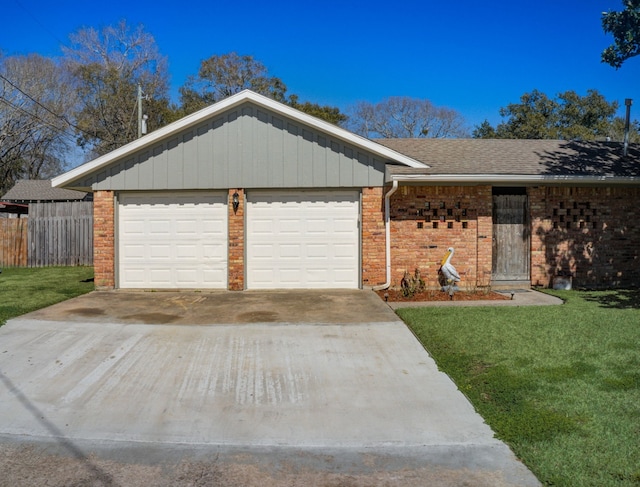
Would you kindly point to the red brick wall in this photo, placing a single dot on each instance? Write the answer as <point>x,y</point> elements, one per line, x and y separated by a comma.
<point>590,233</point>
<point>426,220</point>
<point>373,237</point>
<point>236,242</point>
<point>103,240</point>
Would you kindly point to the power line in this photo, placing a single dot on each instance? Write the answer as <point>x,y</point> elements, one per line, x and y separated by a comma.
<point>44,27</point>
<point>59,129</point>
<point>61,117</point>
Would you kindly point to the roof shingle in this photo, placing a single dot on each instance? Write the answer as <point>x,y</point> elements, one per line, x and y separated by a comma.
<point>31,190</point>
<point>518,157</point>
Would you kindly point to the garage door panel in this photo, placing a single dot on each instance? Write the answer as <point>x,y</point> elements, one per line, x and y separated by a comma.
<point>263,251</point>
<point>214,252</point>
<point>302,239</point>
<point>159,227</point>
<point>262,227</point>
<point>134,251</point>
<point>186,276</point>
<point>344,251</point>
<point>159,275</point>
<point>343,226</point>
<point>288,224</point>
<point>316,251</point>
<point>188,252</point>
<point>290,251</point>
<point>133,228</point>
<point>172,240</point>
<point>159,251</point>
<point>289,277</point>
<point>134,274</point>
<point>187,228</point>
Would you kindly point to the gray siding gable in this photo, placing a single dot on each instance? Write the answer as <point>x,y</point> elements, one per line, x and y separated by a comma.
<point>247,146</point>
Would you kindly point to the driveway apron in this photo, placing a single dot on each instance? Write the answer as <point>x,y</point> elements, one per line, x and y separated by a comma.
<point>268,375</point>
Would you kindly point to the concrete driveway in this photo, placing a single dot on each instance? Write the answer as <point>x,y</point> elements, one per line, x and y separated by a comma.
<point>307,387</point>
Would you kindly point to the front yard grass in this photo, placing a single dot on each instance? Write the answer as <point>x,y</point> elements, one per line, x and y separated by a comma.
<point>26,289</point>
<point>559,384</point>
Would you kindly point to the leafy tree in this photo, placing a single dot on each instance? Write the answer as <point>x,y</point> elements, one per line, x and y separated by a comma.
<point>324,112</point>
<point>402,116</point>
<point>221,76</point>
<point>484,131</point>
<point>108,66</point>
<point>34,134</point>
<point>568,116</point>
<point>584,117</point>
<point>625,27</point>
<point>616,131</point>
<point>532,118</point>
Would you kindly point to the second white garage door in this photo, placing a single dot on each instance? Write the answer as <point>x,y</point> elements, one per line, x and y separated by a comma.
<point>172,240</point>
<point>302,239</point>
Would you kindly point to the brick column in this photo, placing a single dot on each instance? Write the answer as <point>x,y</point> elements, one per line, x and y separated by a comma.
<point>373,237</point>
<point>484,202</point>
<point>103,240</point>
<point>236,242</point>
<point>541,225</point>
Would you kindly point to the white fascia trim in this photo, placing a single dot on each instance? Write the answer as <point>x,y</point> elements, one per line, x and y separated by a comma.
<point>227,103</point>
<point>513,179</point>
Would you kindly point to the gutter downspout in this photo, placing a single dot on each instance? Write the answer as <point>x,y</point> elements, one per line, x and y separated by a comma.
<point>387,230</point>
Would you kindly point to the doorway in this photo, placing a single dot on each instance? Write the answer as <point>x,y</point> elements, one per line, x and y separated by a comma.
<point>511,237</point>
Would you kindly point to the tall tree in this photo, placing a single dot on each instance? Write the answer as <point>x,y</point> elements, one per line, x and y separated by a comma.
<point>221,76</point>
<point>484,131</point>
<point>325,112</point>
<point>402,116</point>
<point>108,65</point>
<point>584,117</point>
<point>617,129</point>
<point>625,28</point>
<point>35,136</point>
<point>568,116</point>
<point>532,118</point>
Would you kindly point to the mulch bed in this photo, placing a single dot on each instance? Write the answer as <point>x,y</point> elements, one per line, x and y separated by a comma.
<point>395,295</point>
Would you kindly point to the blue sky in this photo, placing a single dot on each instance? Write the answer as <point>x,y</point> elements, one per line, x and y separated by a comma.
<point>473,56</point>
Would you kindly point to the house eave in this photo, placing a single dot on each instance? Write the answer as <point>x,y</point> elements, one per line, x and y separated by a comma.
<point>513,180</point>
<point>67,179</point>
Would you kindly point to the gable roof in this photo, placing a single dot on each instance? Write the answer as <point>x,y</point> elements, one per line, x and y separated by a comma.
<point>229,103</point>
<point>516,161</point>
<point>31,190</point>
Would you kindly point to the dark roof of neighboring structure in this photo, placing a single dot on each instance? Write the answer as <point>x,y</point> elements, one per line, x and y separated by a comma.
<point>14,208</point>
<point>543,158</point>
<point>32,190</point>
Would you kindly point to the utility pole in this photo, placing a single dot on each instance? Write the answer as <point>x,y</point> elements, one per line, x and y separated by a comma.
<point>139,110</point>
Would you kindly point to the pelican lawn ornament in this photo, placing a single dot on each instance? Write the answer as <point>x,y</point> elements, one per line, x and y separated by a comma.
<point>449,275</point>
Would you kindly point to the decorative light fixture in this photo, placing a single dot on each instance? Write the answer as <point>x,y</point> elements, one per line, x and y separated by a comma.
<point>236,201</point>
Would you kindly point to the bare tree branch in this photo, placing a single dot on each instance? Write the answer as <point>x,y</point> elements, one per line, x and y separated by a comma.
<point>405,117</point>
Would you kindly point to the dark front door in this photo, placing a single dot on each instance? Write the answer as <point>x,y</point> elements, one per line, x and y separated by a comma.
<point>511,255</point>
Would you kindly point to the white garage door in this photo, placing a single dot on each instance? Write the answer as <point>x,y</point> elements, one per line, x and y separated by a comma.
<point>302,239</point>
<point>172,240</point>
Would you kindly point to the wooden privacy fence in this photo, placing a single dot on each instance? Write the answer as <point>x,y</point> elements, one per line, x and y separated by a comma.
<point>54,234</point>
<point>13,242</point>
<point>60,234</point>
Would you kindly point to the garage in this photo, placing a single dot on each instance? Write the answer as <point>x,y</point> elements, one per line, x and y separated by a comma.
<point>302,239</point>
<point>172,240</point>
<point>248,193</point>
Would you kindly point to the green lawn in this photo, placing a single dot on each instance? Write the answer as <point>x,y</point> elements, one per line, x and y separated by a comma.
<point>26,289</point>
<point>559,384</point>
